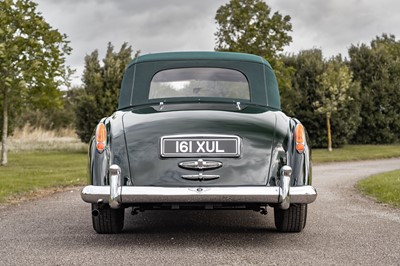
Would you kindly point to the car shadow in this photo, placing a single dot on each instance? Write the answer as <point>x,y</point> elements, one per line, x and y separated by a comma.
<point>198,230</point>
<point>202,221</point>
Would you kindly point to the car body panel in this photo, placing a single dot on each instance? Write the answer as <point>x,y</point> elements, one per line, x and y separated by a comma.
<point>144,131</point>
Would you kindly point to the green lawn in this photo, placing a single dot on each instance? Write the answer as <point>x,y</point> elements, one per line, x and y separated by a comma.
<point>356,153</point>
<point>31,171</point>
<point>384,187</point>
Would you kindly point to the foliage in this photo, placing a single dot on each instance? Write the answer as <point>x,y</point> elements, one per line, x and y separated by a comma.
<point>32,62</point>
<point>335,85</point>
<point>99,96</point>
<point>50,118</point>
<point>377,68</point>
<point>290,97</point>
<point>309,68</point>
<point>384,187</point>
<point>247,26</point>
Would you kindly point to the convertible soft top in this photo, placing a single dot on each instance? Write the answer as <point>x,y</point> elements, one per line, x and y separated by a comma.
<point>261,78</point>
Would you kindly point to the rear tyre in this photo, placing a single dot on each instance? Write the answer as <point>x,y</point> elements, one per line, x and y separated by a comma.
<point>106,220</point>
<point>291,220</point>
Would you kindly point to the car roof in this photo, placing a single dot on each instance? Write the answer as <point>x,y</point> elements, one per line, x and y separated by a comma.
<point>140,72</point>
<point>200,55</point>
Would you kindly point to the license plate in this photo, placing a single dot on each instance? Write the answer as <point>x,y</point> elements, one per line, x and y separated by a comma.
<point>200,146</point>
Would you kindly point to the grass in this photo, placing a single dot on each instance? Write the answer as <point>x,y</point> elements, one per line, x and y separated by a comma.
<point>41,161</point>
<point>31,172</point>
<point>356,153</point>
<point>384,187</point>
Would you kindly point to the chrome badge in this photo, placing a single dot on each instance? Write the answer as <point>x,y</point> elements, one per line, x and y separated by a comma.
<point>200,164</point>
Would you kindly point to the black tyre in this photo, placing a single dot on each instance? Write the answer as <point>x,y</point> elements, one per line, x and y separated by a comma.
<point>291,220</point>
<point>107,220</point>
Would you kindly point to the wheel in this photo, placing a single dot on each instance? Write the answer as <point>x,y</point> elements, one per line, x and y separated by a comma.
<point>291,220</point>
<point>106,220</point>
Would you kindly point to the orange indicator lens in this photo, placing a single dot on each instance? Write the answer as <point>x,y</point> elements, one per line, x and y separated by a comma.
<point>101,136</point>
<point>299,138</point>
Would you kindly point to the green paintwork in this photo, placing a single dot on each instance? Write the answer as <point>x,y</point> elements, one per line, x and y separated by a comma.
<point>257,132</point>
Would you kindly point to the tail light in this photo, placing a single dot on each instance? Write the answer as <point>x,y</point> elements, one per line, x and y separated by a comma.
<point>101,137</point>
<point>299,136</point>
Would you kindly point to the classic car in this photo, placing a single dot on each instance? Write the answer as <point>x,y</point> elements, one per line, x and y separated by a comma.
<point>199,130</point>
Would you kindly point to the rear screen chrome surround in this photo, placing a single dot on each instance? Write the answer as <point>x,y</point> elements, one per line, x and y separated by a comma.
<point>200,145</point>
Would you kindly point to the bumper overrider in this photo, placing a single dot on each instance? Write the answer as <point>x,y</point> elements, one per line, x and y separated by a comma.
<point>115,194</point>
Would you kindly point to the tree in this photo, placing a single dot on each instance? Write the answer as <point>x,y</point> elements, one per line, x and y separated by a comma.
<point>333,91</point>
<point>247,26</point>
<point>309,66</point>
<point>377,68</point>
<point>99,96</point>
<point>32,61</point>
<point>49,118</point>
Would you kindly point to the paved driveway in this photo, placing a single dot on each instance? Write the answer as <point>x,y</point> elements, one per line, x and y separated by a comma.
<point>343,228</point>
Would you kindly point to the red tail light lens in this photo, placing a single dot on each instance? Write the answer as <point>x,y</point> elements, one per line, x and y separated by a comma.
<point>101,137</point>
<point>299,136</point>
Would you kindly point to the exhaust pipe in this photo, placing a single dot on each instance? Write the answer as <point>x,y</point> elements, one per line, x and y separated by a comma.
<point>95,212</point>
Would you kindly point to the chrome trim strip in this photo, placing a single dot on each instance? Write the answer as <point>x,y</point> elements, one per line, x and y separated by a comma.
<point>197,137</point>
<point>150,194</point>
<point>200,177</point>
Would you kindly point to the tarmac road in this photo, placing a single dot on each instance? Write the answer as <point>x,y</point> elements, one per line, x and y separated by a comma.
<point>343,228</point>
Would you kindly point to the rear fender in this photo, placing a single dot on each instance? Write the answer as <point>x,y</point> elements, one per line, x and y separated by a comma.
<point>98,162</point>
<point>114,153</point>
<point>299,161</point>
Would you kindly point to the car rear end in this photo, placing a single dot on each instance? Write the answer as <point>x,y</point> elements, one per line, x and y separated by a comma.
<point>200,139</point>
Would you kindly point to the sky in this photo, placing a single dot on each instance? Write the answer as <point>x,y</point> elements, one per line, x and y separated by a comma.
<point>188,25</point>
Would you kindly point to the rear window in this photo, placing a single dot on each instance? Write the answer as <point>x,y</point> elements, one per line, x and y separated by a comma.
<point>199,82</point>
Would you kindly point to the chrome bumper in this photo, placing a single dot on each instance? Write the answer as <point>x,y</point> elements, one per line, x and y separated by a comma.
<point>135,194</point>
<point>115,194</point>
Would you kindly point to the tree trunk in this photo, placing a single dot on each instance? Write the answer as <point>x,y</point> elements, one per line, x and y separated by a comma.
<point>4,159</point>
<point>328,126</point>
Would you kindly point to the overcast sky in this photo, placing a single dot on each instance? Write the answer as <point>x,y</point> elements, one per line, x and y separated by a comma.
<point>174,25</point>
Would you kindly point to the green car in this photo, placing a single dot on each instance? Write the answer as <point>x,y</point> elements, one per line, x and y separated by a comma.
<point>199,130</point>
